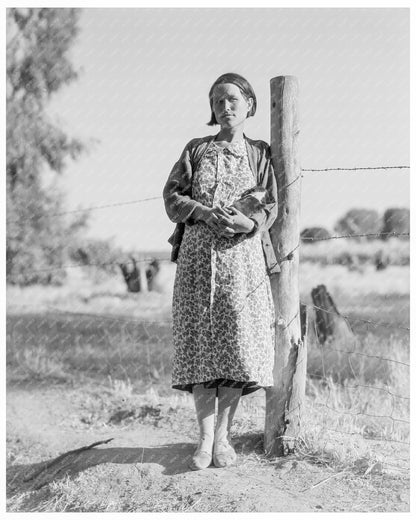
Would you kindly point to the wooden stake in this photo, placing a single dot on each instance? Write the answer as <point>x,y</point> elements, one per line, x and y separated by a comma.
<point>284,401</point>
<point>142,275</point>
<point>331,327</point>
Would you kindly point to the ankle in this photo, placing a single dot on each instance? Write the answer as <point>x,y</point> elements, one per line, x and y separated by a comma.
<point>206,438</point>
<point>222,435</point>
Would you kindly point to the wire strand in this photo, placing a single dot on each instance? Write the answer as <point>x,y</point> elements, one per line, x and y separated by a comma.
<point>356,168</point>
<point>347,318</point>
<point>115,204</point>
<point>391,234</point>
<point>288,256</point>
<point>92,208</point>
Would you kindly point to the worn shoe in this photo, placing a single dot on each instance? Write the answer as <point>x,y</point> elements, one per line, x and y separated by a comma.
<point>201,459</point>
<point>224,454</point>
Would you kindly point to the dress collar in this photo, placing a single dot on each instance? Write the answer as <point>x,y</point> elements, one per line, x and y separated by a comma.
<point>238,148</point>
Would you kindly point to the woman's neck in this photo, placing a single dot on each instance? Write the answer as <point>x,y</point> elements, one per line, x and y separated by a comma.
<point>230,134</point>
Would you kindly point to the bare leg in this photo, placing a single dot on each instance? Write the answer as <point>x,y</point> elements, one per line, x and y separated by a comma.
<point>205,411</point>
<point>228,399</point>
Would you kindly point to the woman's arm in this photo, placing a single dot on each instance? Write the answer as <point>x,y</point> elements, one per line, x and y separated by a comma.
<point>264,218</point>
<point>179,204</point>
<point>177,191</point>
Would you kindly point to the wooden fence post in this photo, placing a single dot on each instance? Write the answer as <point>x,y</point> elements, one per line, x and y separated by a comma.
<point>284,401</point>
<point>142,274</point>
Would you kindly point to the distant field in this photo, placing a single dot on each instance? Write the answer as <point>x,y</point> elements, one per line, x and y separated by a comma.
<point>336,251</point>
<point>100,329</point>
<point>339,251</point>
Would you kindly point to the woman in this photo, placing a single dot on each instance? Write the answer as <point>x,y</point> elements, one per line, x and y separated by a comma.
<point>223,313</point>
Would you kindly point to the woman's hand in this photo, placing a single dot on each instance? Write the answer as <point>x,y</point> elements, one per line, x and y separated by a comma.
<point>235,222</point>
<point>217,217</point>
<point>226,221</point>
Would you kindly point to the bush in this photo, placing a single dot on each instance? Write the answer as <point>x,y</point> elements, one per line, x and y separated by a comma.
<point>396,220</point>
<point>308,235</point>
<point>101,254</point>
<point>359,221</point>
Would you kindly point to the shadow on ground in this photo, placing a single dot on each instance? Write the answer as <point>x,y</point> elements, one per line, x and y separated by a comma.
<point>174,458</point>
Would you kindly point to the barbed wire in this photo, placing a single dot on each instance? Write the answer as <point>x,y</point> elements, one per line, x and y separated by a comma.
<point>360,385</point>
<point>132,319</point>
<point>348,318</point>
<point>348,352</point>
<point>391,233</point>
<point>114,317</point>
<point>358,168</point>
<point>288,256</point>
<point>92,208</point>
<point>377,416</point>
<point>343,385</point>
<point>345,317</point>
<point>331,383</point>
<point>98,264</point>
<point>138,201</point>
<point>365,414</point>
<point>381,358</point>
<point>129,319</point>
<point>385,439</point>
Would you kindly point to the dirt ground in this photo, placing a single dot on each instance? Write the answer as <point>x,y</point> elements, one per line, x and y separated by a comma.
<point>43,423</point>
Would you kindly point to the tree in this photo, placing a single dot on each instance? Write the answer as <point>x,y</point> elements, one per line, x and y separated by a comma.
<point>37,66</point>
<point>359,221</point>
<point>308,235</point>
<point>396,220</point>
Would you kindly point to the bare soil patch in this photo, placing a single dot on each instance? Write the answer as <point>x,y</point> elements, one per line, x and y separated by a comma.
<point>144,467</point>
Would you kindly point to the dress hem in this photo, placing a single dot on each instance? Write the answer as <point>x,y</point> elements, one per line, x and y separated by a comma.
<point>247,387</point>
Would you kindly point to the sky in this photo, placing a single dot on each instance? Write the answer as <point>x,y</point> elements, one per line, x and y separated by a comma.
<point>142,94</point>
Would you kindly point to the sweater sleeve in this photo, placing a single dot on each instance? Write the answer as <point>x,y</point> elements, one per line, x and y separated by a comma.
<point>264,218</point>
<point>177,192</point>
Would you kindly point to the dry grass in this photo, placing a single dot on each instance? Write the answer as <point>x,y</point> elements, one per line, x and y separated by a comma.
<point>129,363</point>
<point>105,489</point>
<point>116,404</point>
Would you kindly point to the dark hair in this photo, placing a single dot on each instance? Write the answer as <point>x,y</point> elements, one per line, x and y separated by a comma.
<point>245,87</point>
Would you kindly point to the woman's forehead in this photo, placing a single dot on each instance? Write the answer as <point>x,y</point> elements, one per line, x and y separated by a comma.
<point>226,88</point>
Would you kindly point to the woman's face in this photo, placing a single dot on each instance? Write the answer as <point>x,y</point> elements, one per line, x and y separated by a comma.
<point>229,105</point>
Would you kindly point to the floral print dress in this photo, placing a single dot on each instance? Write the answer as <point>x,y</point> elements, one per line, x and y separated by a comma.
<point>223,311</point>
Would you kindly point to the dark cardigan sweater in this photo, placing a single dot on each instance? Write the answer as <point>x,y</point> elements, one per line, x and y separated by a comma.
<point>179,205</point>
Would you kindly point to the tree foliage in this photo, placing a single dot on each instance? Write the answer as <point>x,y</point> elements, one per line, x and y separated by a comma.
<point>396,220</point>
<point>308,235</point>
<point>359,221</point>
<point>38,41</point>
<point>368,221</point>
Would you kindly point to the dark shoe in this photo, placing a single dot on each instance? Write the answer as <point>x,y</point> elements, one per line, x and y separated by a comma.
<point>224,454</point>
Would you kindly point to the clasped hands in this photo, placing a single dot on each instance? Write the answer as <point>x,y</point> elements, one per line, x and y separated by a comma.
<point>227,221</point>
